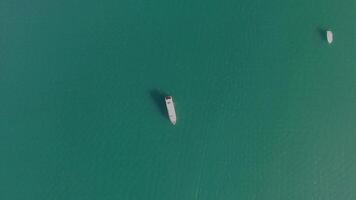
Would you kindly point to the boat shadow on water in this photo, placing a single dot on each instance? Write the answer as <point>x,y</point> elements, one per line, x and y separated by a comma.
<point>321,32</point>
<point>158,99</point>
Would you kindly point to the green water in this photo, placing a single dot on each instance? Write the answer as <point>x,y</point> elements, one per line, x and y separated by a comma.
<point>266,108</point>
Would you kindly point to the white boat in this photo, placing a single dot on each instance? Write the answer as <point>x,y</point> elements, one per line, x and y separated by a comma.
<point>329,36</point>
<point>171,110</point>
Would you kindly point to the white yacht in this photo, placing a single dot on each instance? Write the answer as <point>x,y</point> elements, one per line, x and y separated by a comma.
<point>329,36</point>
<point>171,110</point>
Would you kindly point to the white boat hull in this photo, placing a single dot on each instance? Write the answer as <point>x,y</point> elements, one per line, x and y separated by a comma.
<point>171,110</point>
<point>329,36</point>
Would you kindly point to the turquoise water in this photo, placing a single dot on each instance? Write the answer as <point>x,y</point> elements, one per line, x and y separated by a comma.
<point>265,107</point>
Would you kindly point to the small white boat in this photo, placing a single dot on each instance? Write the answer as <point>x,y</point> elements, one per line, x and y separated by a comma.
<point>329,36</point>
<point>171,110</point>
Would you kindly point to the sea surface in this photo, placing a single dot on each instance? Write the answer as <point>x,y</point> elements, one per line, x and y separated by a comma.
<point>266,107</point>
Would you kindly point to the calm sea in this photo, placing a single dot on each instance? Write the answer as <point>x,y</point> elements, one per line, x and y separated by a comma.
<point>265,106</point>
